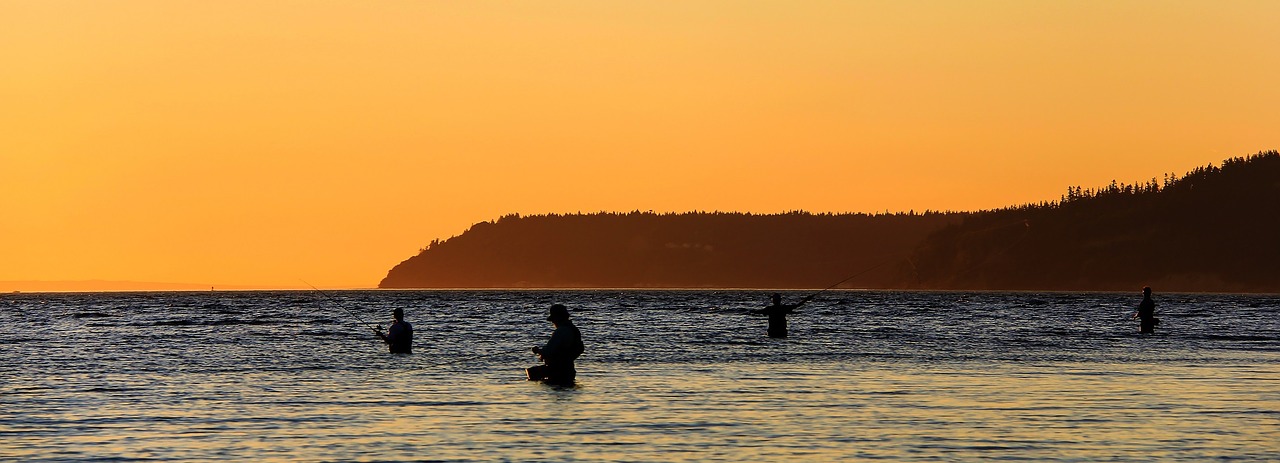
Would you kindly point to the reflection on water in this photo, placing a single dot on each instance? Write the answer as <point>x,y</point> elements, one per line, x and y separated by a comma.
<point>668,376</point>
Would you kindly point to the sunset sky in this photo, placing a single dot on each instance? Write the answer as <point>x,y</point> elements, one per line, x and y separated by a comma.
<point>265,143</point>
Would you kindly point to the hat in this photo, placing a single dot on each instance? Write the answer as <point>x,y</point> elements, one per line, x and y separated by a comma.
<point>558,312</point>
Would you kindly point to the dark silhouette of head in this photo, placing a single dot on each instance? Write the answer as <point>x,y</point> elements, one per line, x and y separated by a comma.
<point>398,314</point>
<point>776,298</point>
<point>1146,291</point>
<point>559,314</point>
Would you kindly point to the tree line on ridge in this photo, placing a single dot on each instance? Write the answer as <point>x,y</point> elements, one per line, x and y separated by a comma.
<point>1212,229</point>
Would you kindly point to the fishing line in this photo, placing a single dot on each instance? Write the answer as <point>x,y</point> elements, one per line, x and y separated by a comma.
<point>349,311</point>
<point>906,256</point>
<point>1023,222</point>
<point>838,283</point>
<point>1026,223</point>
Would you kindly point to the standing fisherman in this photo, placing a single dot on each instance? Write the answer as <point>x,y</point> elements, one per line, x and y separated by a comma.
<point>1146,312</point>
<point>558,354</point>
<point>778,315</point>
<point>399,337</point>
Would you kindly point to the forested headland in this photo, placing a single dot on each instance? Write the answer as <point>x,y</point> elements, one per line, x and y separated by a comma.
<point>689,250</point>
<point>1215,229</point>
<point>1212,229</point>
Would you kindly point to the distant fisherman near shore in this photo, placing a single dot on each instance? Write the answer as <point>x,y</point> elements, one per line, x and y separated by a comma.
<point>1146,312</point>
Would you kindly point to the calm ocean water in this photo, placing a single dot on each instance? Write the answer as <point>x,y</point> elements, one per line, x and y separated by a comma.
<point>668,376</point>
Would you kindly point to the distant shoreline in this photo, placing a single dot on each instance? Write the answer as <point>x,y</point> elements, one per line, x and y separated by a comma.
<point>1211,230</point>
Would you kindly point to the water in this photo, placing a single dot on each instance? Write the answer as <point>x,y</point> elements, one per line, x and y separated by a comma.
<point>668,376</point>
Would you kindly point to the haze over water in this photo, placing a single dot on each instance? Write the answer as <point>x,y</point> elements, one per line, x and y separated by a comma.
<point>667,376</point>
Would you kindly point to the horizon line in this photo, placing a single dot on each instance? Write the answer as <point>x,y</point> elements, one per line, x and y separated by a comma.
<point>104,285</point>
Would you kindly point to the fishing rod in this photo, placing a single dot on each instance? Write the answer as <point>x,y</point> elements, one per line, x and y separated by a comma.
<point>1024,222</point>
<point>349,311</point>
<point>1026,231</point>
<point>838,283</point>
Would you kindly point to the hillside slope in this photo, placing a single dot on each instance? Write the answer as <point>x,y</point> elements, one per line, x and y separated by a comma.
<point>1214,229</point>
<point>692,250</point>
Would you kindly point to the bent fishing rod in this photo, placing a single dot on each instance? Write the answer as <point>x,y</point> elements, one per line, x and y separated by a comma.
<point>349,311</point>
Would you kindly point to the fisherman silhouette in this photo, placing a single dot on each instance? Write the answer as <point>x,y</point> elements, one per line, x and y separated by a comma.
<point>558,354</point>
<point>778,314</point>
<point>399,337</point>
<point>1146,312</point>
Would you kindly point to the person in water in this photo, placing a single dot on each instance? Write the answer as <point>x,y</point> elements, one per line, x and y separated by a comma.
<point>1146,312</point>
<point>399,336</point>
<point>560,351</point>
<point>778,314</point>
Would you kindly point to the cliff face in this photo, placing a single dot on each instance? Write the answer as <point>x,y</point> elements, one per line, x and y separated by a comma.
<point>794,250</point>
<point>1214,229</point>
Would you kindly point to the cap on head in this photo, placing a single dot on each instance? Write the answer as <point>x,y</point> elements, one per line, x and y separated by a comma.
<point>398,313</point>
<point>558,312</point>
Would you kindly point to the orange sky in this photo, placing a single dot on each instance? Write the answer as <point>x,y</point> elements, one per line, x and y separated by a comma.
<point>263,143</point>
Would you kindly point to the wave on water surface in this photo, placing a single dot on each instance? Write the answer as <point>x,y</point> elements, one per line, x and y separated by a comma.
<point>865,375</point>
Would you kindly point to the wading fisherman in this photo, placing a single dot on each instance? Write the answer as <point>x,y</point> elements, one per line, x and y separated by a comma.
<point>399,337</point>
<point>1146,312</point>
<point>778,315</point>
<point>558,354</point>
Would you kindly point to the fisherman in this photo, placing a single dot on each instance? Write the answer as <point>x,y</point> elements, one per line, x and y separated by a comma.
<point>399,336</point>
<point>558,354</point>
<point>778,315</point>
<point>1146,312</point>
